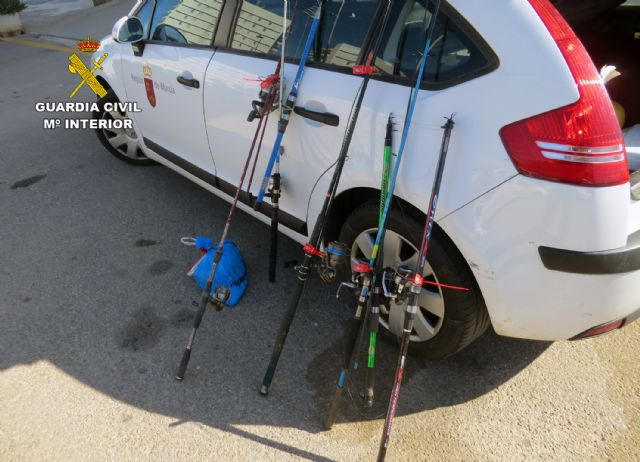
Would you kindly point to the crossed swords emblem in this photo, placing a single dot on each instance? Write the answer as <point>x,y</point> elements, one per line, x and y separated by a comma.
<point>78,67</point>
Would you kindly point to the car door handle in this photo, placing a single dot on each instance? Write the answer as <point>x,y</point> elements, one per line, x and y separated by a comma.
<point>323,117</point>
<point>193,83</point>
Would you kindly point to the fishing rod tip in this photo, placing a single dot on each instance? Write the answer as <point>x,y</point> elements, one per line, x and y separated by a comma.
<point>449,121</point>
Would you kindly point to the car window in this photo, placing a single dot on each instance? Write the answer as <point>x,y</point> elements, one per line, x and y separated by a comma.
<point>344,26</point>
<point>452,54</point>
<point>144,14</point>
<point>187,22</point>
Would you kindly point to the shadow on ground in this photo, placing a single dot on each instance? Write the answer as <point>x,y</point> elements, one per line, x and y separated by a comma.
<point>113,308</point>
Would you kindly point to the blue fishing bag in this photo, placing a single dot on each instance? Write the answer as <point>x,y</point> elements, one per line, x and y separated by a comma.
<point>231,271</point>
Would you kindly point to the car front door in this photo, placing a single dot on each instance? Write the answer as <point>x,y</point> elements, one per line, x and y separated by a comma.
<point>328,86</point>
<point>167,79</point>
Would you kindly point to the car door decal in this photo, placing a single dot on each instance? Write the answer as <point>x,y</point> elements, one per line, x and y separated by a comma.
<point>148,85</point>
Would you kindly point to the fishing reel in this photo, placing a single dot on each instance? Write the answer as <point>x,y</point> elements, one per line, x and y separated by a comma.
<point>336,256</point>
<point>258,105</point>
<point>360,268</point>
<point>221,295</point>
<point>274,188</point>
<point>396,283</point>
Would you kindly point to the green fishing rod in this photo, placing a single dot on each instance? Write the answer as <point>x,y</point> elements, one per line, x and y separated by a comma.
<point>363,268</point>
<point>376,298</point>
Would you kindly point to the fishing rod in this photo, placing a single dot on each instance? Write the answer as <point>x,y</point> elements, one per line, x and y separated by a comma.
<point>274,190</point>
<point>336,252</point>
<point>288,106</point>
<point>376,298</point>
<point>274,193</point>
<point>415,288</point>
<point>362,276</point>
<point>261,109</point>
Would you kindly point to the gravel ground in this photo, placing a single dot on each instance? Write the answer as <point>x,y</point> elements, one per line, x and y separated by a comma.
<point>95,308</point>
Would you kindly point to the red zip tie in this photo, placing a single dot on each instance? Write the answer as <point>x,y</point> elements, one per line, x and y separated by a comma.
<point>268,81</point>
<point>361,268</point>
<point>311,250</point>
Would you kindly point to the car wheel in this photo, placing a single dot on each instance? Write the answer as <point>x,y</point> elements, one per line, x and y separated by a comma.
<point>123,143</point>
<point>447,320</point>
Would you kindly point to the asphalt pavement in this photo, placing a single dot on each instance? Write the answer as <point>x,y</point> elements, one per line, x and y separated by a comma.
<point>95,308</point>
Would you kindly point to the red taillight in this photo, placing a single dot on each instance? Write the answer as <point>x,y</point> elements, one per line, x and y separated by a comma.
<point>600,330</point>
<point>581,143</point>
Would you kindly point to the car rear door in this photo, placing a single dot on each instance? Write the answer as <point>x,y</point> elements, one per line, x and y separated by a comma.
<point>328,86</point>
<point>167,80</point>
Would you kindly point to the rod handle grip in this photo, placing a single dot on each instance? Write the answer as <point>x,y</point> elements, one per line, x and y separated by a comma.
<point>182,369</point>
<point>333,410</point>
<point>273,250</point>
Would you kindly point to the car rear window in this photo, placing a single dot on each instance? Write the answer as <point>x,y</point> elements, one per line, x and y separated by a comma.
<point>454,54</point>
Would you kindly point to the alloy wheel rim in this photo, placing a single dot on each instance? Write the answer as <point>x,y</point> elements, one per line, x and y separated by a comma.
<point>123,140</point>
<point>399,251</point>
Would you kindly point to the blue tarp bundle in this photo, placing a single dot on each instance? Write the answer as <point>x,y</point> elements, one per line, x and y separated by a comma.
<point>231,271</point>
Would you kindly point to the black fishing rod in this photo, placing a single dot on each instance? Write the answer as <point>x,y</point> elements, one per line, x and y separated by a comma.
<point>415,288</point>
<point>274,193</point>
<point>311,249</point>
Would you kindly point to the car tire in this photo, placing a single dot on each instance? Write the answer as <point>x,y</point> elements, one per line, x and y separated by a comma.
<point>460,319</point>
<point>122,143</point>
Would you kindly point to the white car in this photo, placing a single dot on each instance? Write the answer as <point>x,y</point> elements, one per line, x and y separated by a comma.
<point>535,213</point>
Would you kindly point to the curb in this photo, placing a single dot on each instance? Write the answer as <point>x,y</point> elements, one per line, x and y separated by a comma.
<point>11,34</point>
<point>47,40</point>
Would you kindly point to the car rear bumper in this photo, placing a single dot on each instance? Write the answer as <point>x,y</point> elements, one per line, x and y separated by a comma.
<point>555,294</point>
<point>623,260</point>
